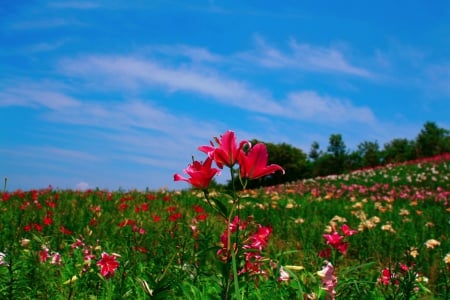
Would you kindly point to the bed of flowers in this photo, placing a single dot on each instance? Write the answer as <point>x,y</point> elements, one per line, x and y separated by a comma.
<point>380,233</point>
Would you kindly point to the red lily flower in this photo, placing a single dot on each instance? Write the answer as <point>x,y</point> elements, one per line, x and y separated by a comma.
<point>200,174</point>
<point>334,239</point>
<point>227,151</point>
<point>253,165</point>
<point>108,265</point>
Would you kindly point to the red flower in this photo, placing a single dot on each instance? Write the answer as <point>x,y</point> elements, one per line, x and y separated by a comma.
<point>386,277</point>
<point>227,151</point>
<point>5,196</point>
<point>37,227</point>
<point>253,165</point>
<point>65,230</point>
<point>201,217</point>
<point>175,216</point>
<point>333,239</point>
<point>47,220</point>
<point>200,174</point>
<point>44,255</point>
<point>197,208</point>
<point>260,238</point>
<point>151,197</point>
<point>108,265</point>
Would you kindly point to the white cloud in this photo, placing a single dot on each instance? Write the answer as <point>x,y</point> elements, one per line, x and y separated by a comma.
<point>304,56</point>
<point>308,105</point>
<point>34,97</point>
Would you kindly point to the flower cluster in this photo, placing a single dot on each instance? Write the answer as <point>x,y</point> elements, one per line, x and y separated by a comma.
<point>336,240</point>
<point>252,163</point>
<point>107,263</point>
<point>240,250</point>
<point>251,248</point>
<point>44,255</point>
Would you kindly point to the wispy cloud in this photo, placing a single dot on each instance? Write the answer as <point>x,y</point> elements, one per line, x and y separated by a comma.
<point>305,57</point>
<point>131,72</point>
<point>308,105</point>
<point>30,96</point>
<point>138,73</point>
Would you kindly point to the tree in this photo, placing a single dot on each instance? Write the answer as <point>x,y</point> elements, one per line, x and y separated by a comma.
<point>336,145</point>
<point>370,153</point>
<point>432,140</point>
<point>398,150</point>
<point>337,150</point>
<point>314,152</point>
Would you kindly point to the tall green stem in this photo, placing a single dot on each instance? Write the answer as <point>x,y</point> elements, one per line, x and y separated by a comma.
<point>230,245</point>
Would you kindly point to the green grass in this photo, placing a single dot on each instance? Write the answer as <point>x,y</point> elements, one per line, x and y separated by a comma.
<point>161,257</point>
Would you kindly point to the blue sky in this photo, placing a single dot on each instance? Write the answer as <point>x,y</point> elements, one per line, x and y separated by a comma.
<point>119,94</point>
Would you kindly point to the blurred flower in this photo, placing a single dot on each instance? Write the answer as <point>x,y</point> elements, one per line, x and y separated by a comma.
<point>56,259</point>
<point>44,254</point>
<point>24,242</point>
<point>2,259</point>
<point>388,227</point>
<point>447,258</point>
<point>329,281</point>
<point>65,230</point>
<point>386,276</point>
<point>432,243</point>
<point>284,276</point>
<point>404,212</point>
<point>414,252</point>
<point>347,231</point>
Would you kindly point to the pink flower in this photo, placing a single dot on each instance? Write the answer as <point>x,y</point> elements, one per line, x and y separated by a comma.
<point>253,165</point>
<point>284,276</point>
<point>108,265</point>
<point>56,259</point>
<point>227,151</point>
<point>347,231</point>
<point>200,174</point>
<point>329,281</point>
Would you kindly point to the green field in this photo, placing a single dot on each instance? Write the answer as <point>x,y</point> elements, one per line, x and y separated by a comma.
<point>172,244</point>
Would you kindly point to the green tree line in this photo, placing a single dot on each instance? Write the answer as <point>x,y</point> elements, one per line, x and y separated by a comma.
<point>337,159</point>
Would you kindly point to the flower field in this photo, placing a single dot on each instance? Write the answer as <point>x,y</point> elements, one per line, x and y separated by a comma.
<point>379,233</point>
